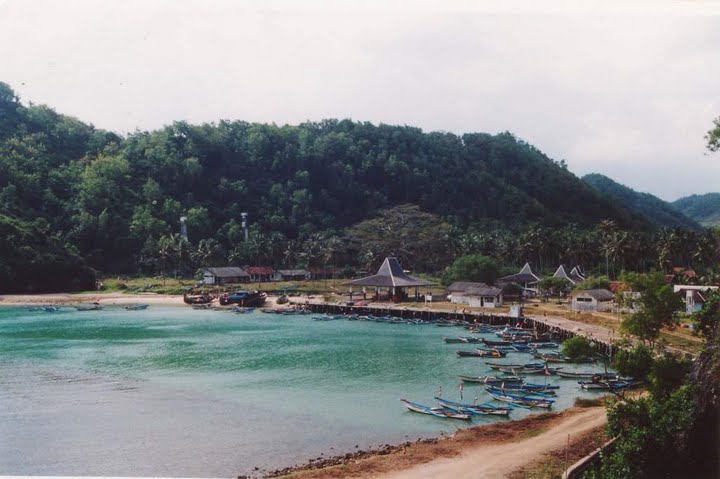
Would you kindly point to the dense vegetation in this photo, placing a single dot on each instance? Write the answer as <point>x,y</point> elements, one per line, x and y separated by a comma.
<point>646,205</point>
<point>672,431</point>
<point>705,209</point>
<point>329,193</point>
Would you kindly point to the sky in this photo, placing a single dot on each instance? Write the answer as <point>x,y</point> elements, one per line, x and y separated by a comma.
<point>626,89</point>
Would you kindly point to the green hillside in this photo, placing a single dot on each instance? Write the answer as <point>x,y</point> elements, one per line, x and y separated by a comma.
<point>705,209</point>
<point>650,207</point>
<point>334,192</point>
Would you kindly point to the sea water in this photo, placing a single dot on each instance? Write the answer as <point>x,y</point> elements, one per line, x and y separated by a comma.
<point>172,391</point>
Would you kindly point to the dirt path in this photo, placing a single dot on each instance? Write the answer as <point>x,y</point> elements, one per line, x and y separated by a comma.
<point>497,461</point>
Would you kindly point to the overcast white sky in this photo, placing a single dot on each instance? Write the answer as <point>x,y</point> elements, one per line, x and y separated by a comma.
<point>623,89</point>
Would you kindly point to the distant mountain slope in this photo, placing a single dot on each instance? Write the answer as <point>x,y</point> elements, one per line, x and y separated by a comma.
<point>705,209</point>
<point>646,205</point>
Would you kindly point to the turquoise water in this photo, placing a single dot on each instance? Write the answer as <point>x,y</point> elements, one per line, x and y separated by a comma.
<point>179,392</point>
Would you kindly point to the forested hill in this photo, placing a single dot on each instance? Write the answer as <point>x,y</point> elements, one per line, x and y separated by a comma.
<point>705,209</point>
<point>109,199</point>
<point>650,207</point>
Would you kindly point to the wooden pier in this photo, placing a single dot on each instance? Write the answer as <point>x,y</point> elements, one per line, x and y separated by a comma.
<point>470,317</point>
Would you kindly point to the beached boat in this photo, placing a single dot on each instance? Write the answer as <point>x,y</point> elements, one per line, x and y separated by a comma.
<point>197,298</point>
<point>283,299</point>
<point>437,412</point>
<point>476,409</point>
<point>137,307</point>
<point>202,306</point>
<point>244,298</point>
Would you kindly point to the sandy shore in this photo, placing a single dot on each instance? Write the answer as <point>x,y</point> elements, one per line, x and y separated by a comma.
<point>105,299</point>
<point>491,451</point>
<point>102,298</point>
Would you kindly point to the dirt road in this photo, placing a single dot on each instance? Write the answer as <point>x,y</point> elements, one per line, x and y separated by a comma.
<point>499,460</point>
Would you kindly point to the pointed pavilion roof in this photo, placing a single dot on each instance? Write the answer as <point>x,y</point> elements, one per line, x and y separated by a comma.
<point>526,275</point>
<point>573,277</point>
<point>390,274</point>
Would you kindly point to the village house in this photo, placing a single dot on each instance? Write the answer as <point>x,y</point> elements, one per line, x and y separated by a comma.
<point>225,275</point>
<point>694,296</point>
<point>478,295</point>
<point>259,274</point>
<point>291,275</point>
<point>595,300</point>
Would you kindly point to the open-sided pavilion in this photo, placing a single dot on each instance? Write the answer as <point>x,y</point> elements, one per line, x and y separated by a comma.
<point>392,278</point>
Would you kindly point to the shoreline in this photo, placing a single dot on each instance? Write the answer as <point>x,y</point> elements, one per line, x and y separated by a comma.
<point>105,299</point>
<point>462,454</point>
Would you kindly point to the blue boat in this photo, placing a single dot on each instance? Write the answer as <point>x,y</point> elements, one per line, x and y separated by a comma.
<point>522,401</point>
<point>440,412</point>
<point>475,409</point>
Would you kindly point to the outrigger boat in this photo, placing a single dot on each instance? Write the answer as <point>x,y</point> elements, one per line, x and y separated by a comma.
<point>521,393</point>
<point>327,317</point>
<point>586,375</point>
<point>481,354</point>
<point>490,380</point>
<point>137,307</point>
<point>522,400</point>
<point>476,409</point>
<point>435,411</point>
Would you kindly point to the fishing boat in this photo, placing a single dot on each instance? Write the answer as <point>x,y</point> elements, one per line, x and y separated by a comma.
<point>88,307</point>
<point>490,380</point>
<point>242,310</point>
<point>328,317</point>
<point>45,309</point>
<point>498,365</point>
<point>504,349</point>
<point>586,375</point>
<point>437,412</point>
<point>521,400</point>
<point>544,345</point>
<point>525,394</point>
<point>489,342</point>
<point>481,354</point>
<point>244,298</point>
<point>477,409</point>
<point>283,299</point>
<point>202,298</point>
<point>201,306</point>
<point>137,307</point>
<point>530,387</point>
<point>521,348</point>
<point>612,385</point>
